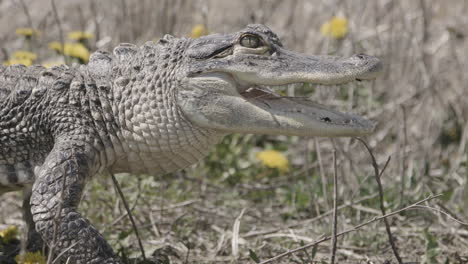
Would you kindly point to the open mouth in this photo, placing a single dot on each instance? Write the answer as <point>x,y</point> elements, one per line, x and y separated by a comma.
<point>239,94</point>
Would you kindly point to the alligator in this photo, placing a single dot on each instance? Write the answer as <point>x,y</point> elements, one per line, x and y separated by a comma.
<point>152,109</point>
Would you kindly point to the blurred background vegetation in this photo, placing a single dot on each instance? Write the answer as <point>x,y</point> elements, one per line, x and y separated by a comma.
<point>285,184</point>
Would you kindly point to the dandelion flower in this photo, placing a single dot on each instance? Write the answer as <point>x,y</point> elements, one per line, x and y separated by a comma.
<point>21,57</point>
<point>26,32</point>
<point>55,45</point>
<point>336,28</point>
<point>9,234</point>
<point>75,50</point>
<point>25,62</point>
<point>273,159</point>
<point>51,64</point>
<point>23,54</point>
<point>31,258</point>
<point>79,35</point>
<point>198,31</point>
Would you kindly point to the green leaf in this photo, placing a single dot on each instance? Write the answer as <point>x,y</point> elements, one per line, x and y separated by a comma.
<point>124,234</point>
<point>314,252</point>
<point>254,256</point>
<point>432,248</point>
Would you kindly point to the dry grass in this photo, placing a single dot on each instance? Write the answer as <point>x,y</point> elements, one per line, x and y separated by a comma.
<point>419,103</point>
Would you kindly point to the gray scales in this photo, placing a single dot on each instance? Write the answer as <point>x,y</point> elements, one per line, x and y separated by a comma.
<point>152,109</point>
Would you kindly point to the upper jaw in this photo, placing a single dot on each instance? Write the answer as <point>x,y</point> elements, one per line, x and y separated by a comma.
<point>286,67</point>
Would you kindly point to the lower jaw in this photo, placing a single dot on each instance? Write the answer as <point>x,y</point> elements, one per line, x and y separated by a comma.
<point>325,117</point>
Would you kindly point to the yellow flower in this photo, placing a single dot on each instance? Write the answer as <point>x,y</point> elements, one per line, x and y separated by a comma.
<point>31,258</point>
<point>27,32</point>
<point>79,35</point>
<point>336,28</point>
<point>51,64</point>
<point>198,31</point>
<point>23,54</point>
<point>55,45</point>
<point>273,159</point>
<point>75,50</point>
<point>9,234</point>
<point>26,62</point>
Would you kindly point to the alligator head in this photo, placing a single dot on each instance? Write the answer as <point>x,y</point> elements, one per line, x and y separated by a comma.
<point>231,80</point>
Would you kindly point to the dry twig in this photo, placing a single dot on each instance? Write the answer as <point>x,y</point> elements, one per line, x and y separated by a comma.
<point>323,179</point>
<point>378,174</point>
<point>235,235</point>
<point>335,209</point>
<point>130,216</point>
<point>60,28</point>
<point>26,13</point>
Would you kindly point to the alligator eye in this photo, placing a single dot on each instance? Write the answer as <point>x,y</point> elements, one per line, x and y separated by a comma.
<point>251,41</point>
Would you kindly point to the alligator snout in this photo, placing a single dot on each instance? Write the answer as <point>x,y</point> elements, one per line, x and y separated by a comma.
<point>372,65</point>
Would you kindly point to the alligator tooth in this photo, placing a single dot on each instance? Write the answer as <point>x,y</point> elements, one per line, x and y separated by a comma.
<point>266,89</point>
<point>299,85</point>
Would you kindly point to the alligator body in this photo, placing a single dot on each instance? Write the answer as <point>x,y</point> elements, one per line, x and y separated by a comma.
<point>153,109</point>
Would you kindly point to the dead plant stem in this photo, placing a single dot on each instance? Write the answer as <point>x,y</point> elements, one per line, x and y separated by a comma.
<point>378,174</point>
<point>130,216</point>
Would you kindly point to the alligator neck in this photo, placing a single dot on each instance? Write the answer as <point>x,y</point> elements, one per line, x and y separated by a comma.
<point>151,125</point>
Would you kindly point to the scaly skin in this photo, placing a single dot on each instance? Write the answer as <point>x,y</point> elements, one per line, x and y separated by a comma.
<point>157,108</point>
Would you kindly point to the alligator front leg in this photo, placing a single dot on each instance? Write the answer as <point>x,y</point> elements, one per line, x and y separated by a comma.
<point>34,241</point>
<point>55,197</point>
